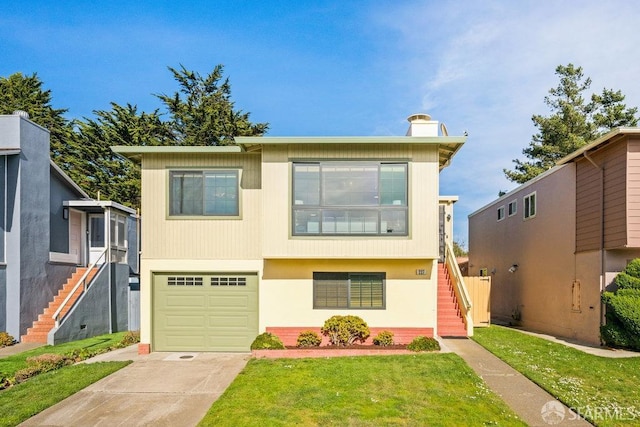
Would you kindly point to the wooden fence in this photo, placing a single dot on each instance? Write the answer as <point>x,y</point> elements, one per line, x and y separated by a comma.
<point>480,293</point>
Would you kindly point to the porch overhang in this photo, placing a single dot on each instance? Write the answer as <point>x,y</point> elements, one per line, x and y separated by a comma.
<point>96,206</point>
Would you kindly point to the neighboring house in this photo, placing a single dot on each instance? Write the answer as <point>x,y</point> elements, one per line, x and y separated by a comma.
<point>280,233</point>
<point>555,243</point>
<point>50,233</point>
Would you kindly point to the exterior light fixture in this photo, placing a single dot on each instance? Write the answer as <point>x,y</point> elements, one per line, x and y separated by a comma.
<point>65,213</point>
<point>513,268</point>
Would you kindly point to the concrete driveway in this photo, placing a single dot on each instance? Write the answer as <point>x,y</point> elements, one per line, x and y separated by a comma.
<point>160,389</point>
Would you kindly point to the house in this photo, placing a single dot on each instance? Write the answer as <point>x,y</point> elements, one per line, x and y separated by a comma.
<point>52,238</point>
<point>280,233</point>
<point>555,243</point>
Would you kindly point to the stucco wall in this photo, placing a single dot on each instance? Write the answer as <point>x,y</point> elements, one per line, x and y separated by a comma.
<point>543,248</point>
<point>58,226</point>
<point>90,316</point>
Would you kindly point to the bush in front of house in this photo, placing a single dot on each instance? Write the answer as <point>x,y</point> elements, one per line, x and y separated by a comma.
<point>267,341</point>
<point>6,340</point>
<point>424,344</point>
<point>308,339</point>
<point>345,330</point>
<point>41,364</point>
<point>383,339</point>
<point>622,328</point>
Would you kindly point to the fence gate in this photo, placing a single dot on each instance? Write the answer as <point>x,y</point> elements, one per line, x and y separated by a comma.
<point>479,288</point>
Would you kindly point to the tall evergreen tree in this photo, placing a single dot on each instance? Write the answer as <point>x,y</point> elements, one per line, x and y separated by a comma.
<point>202,112</point>
<point>572,124</point>
<point>26,93</point>
<point>99,170</point>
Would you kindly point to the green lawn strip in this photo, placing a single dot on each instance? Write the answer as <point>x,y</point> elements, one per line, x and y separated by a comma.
<point>606,391</point>
<point>9,365</point>
<point>422,389</point>
<point>24,400</point>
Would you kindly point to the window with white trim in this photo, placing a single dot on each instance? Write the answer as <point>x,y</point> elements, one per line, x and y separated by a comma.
<point>512,209</point>
<point>500,213</point>
<point>529,203</point>
<point>204,193</point>
<point>348,290</point>
<point>349,198</point>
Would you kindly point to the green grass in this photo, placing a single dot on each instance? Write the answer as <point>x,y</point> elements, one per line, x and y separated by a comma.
<point>9,365</point>
<point>606,391</point>
<point>24,400</point>
<point>422,389</point>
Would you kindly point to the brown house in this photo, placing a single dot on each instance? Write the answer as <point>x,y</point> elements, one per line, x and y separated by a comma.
<point>556,242</point>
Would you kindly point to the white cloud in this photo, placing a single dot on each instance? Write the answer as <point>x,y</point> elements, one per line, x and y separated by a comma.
<point>490,66</point>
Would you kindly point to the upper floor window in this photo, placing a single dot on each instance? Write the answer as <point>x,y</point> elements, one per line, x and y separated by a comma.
<point>530,205</point>
<point>349,198</point>
<point>513,207</point>
<point>500,213</point>
<point>206,193</point>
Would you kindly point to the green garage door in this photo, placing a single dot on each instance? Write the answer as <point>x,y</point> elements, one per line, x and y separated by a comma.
<point>204,312</point>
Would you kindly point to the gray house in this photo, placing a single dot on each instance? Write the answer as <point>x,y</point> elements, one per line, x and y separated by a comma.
<point>66,260</point>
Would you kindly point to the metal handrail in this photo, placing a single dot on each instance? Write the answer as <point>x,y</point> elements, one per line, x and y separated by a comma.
<point>82,281</point>
<point>459,287</point>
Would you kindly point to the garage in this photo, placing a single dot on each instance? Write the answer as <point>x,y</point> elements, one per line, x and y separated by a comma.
<point>204,311</point>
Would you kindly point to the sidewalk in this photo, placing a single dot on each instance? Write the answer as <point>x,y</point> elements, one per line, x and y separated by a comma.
<point>18,348</point>
<point>613,353</point>
<point>530,402</point>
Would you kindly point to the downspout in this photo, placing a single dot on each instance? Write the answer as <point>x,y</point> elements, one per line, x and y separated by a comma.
<point>602,252</point>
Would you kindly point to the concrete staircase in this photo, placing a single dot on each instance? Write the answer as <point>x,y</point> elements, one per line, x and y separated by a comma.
<point>450,322</point>
<point>39,331</point>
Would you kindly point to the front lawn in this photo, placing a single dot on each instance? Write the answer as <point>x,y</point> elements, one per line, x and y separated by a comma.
<point>24,400</point>
<point>606,391</point>
<point>421,389</point>
<point>9,365</point>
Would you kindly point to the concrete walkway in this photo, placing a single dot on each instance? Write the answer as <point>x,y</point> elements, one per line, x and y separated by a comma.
<point>531,403</point>
<point>18,348</point>
<point>160,389</point>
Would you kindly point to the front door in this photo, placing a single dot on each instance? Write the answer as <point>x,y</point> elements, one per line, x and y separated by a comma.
<point>97,233</point>
<point>75,235</point>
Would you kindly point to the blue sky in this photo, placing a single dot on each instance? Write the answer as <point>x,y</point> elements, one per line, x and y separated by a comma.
<point>339,68</point>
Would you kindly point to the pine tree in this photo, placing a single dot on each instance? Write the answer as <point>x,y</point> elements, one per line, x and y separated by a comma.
<point>572,124</point>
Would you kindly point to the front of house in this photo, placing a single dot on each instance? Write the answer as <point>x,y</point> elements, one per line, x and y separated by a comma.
<point>280,233</point>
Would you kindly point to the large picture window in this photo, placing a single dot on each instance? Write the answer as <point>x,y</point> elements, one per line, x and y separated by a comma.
<point>207,193</point>
<point>349,290</point>
<point>349,198</point>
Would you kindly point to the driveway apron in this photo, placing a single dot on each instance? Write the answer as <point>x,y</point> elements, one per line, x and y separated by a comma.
<point>160,389</point>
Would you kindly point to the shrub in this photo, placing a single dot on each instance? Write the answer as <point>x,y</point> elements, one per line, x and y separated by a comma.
<point>41,364</point>
<point>309,339</point>
<point>345,330</point>
<point>623,310</point>
<point>130,338</point>
<point>424,344</point>
<point>384,339</point>
<point>267,341</point>
<point>626,281</point>
<point>6,340</point>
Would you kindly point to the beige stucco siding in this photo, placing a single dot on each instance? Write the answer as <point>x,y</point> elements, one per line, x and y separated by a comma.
<point>286,293</point>
<point>201,238</point>
<point>422,241</point>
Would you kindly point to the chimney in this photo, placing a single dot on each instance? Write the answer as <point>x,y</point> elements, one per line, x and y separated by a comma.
<point>422,125</point>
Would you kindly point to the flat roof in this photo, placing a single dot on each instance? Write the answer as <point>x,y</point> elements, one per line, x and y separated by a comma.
<point>448,146</point>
